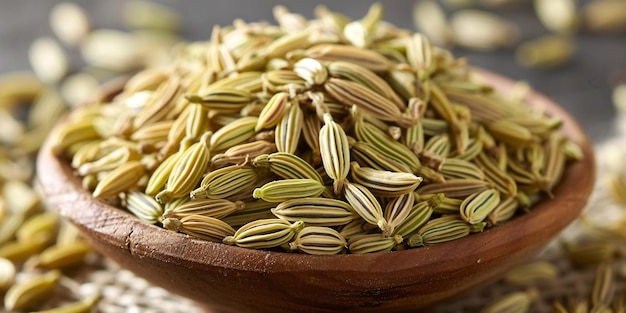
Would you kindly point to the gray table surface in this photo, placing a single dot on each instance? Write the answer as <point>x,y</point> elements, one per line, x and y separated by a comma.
<point>583,87</point>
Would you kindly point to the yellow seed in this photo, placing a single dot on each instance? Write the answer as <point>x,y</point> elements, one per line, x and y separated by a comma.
<point>48,59</point>
<point>481,30</point>
<point>26,295</point>
<point>69,22</point>
<point>603,286</point>
<point>512,134</point>
<point>68,233</point>
<point>18,251</point>
<point>20,198</point>
<point>240,153</point>
<point>197,122</point>
<point>517,302</point>
<point>17,87</point>
<point>590,253</point>
<point>558,16</point>
<point>351,93</point>
<point>455,188</point>
<point>216,208</point>
<point>223,99</point>
<point>144,207</point>
<point>9,225</point>
<point>532,273</point>
<point>119,180</point>
<point>373,243</point>
<point>366,58</point>
<point>7,274</point>
<point>82,306</point>
<point>110,49</point>
<point>365,77</point>
<point>605,15</point>
<point>71,133</point>
<point>430,19</point>
<point>234,133</point>
<point>273,111</point>
<point>63,256</point>
<point>4,211</point>
<point>545,52</point>
<point>288,130</point>
<point>147,15</point>
<point>420,55</point>
<point>287,166</point>
<point>38,228</point>
<point>279,47</point>
<point>160,104</point>
<point>159,177</point>
<point>555,162</point>
<point>187,172</point>
<point>311,70</point>
<point>109,162</point>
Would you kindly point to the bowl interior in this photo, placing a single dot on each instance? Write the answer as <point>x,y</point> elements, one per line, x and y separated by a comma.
<point>235,279</point>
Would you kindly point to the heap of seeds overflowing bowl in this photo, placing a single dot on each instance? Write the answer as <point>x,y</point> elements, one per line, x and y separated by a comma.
<point>324,136</point>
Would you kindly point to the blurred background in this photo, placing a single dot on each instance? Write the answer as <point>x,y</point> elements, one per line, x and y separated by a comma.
<point>582,84</point>
<point>573,51</point>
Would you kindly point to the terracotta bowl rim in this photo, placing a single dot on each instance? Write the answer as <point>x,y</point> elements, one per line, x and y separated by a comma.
<point>219,255</point>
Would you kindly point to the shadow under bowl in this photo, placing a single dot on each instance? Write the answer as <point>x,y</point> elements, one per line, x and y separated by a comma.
<point>232,279</point>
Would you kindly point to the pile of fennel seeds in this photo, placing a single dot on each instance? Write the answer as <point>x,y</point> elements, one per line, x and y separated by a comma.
<point>316,136</point>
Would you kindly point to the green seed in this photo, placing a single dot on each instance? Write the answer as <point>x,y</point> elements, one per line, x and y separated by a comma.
<point>282,190</point>
<point>216,208</point>
<point>226,182</point>
<point>316,211</point>
<point>373,243</point>
<point>384,183</point>
<point>318,240</point>
<point>143,207</point>
<point>199,226</point>
<point>419,215</point>
<point>265,233</point>
<point>476,207</point>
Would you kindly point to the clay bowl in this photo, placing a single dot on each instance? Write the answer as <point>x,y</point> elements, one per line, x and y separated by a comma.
<point>231,279</point>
